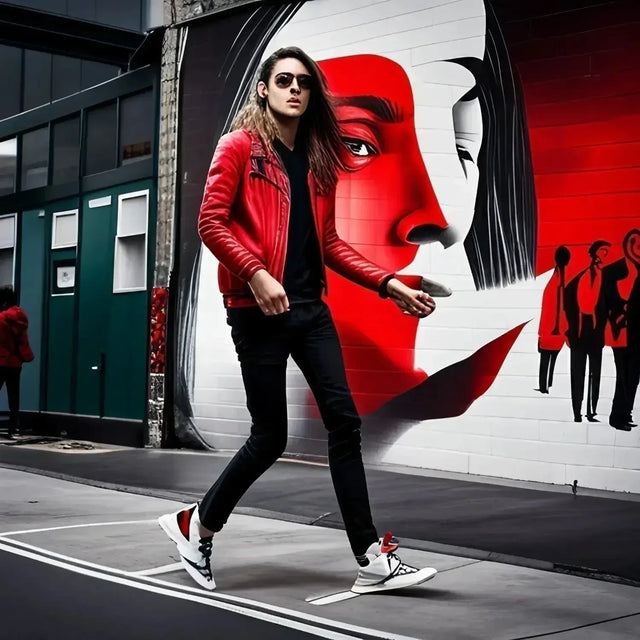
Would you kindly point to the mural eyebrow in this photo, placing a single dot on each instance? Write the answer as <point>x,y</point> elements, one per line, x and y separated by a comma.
<point>382,108</point>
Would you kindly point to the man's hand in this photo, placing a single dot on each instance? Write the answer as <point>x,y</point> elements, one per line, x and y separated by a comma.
<point>411,301</point>
<point>269,293</point>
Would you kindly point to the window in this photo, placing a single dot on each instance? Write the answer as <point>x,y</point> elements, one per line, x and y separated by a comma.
<point>7,248</point>
<point>101,140</point>
<point>66,150</point>
<point>119,13</point>
<point>65,76</point>
<point>8,156</point>
<point>35,158</point>
<point>37,79</point>
<point>130,260</point>
<point>136,127</point>
<point>54,6</point>
<point>64,233</point>
<point>93,73</point>
<point>10,80</point>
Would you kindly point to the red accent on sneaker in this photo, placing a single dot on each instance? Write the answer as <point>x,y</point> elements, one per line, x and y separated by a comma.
<point>184,519</point>
<point>387,545</point>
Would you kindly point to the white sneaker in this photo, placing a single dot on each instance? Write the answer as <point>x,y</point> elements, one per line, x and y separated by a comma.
<point>195,552</point>
<point>384,569</point>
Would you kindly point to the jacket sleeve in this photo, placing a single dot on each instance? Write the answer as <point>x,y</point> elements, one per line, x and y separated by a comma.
<point>342,258</point>
<point>224,177</point>
<point>18,322</point>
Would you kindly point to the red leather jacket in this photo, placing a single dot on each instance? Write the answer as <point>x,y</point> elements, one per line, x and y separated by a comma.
<point>14,339</point>
<point>244,220</point>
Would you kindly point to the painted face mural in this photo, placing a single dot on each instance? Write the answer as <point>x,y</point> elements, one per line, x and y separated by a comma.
<point>480,156</point>
<point>412,135</point>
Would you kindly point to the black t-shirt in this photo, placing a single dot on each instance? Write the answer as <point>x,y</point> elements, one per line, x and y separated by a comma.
<point>303,267</point>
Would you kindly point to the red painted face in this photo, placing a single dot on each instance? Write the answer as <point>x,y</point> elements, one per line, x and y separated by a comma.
<point>388,194</point>
<point>385,199</point>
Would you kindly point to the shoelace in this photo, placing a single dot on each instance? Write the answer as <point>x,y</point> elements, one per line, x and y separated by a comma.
<point>206,545</point>
<point>402,568</point>
<point>205,548</point>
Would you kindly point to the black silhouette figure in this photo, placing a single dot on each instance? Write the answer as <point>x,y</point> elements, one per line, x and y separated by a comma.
<point>553,322</point>
<point>586,318</point>
<point>621,289</point>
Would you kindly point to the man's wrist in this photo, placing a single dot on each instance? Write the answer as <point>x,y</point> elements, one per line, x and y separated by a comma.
<point>383,290</point>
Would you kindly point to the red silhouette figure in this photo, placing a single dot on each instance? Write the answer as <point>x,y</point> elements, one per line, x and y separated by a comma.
<point>553,322</point>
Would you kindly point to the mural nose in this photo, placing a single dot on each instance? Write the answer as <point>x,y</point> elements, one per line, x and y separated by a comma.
<point>427,233</point>
<point>423,227</point>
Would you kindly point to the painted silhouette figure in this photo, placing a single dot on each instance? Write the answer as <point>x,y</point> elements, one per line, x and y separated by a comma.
<point>553,322</point>
<point>586,318</point>
<point>621,289</point>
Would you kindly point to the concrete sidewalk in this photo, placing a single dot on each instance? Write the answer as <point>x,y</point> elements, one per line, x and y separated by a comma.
<point>539,526</point>
<point>280,564</point>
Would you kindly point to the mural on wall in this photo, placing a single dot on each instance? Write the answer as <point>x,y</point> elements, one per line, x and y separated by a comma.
<point>597,308</point>
<point>464,170</point>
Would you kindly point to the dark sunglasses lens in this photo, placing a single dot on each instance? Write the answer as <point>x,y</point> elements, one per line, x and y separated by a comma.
<point>304,81</point>
<point>284,80</point>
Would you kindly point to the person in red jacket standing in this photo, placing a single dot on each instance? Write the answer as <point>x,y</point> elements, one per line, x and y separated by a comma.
<point>268,216</point>
<point>14,350</point>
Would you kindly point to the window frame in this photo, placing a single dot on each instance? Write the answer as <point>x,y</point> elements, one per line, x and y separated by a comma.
<point>13,215</point>
<point>121,198</point>
<point>55,216</point>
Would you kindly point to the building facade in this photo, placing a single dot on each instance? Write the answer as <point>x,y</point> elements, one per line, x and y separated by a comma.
<point>78,192</point>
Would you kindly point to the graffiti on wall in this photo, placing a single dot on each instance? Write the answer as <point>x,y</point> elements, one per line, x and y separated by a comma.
<point>598,307</point>
<point>456,174</point>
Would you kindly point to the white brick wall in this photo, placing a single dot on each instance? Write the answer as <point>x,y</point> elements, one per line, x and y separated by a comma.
<point>512,431</point>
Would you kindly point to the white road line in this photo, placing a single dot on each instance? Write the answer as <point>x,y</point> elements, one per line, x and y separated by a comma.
<point>76,526</point>
<point>214,599</point>
<point>167,568</point>
<point>334,597</point>
<point>323,633</point>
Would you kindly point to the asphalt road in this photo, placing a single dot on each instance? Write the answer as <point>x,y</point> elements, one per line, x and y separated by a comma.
<point>42,602</point>
<point>78,561</point>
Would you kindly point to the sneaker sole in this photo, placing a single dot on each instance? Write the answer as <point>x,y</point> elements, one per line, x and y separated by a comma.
<point>210,585</point>
<point>168,524</point>
<point>399,582</point>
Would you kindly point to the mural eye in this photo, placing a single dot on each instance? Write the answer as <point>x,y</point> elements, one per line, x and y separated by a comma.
<point>463,154</point>
<point>359,147</point>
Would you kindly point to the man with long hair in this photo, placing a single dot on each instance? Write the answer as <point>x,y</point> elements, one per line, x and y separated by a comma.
<point>268,215</point>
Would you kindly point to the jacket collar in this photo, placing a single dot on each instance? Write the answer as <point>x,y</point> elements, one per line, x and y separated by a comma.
<point>260,152</point>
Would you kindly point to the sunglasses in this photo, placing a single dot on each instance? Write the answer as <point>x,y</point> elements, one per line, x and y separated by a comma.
<point>285,79</point>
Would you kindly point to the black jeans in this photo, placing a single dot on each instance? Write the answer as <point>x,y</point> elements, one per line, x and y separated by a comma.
<point>263,344</point>
<point>11,375</point>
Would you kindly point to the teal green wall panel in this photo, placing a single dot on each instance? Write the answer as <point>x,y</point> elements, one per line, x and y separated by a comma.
<point>126,375</point>
<point>60,329</point>
<point>112,324</point>
<point>32,294</point>
<point>94,301</point>
<point>61,340</point>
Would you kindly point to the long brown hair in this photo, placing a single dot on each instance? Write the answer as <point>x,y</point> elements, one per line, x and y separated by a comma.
<point>318,123</point>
